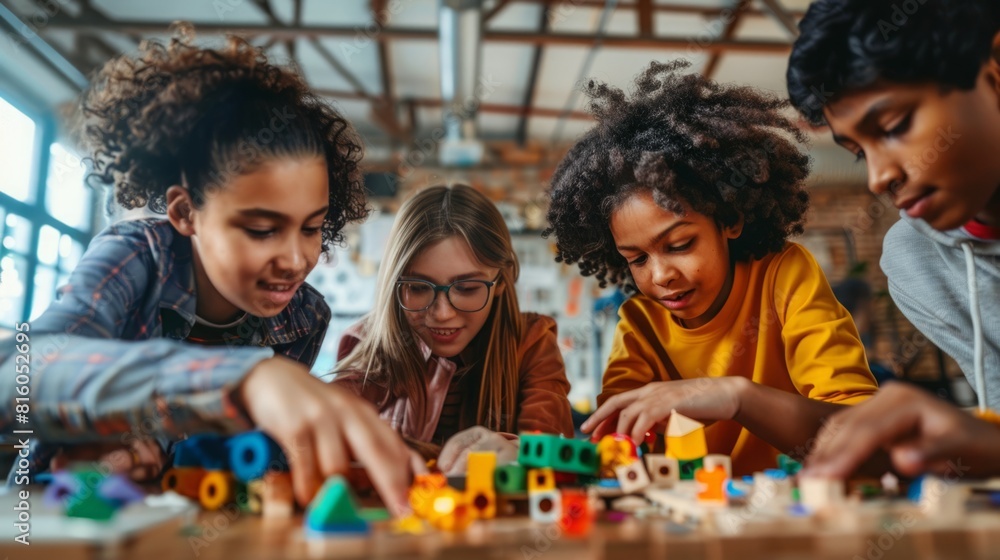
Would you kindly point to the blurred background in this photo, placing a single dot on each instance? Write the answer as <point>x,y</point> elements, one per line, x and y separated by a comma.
<point>484,92</point>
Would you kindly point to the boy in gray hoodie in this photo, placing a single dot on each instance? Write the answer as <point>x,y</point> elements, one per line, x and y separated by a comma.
<point>912,87</point>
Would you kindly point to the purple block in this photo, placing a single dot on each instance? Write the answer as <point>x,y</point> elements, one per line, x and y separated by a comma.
<point>63,486</point>
<point>120,491</point>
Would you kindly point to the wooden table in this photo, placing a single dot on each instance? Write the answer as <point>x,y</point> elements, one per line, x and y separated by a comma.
<point>217,535</point>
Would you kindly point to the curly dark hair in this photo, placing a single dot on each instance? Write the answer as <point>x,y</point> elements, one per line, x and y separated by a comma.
<point>849,45</point>
<point>728,152</point>
<point>176,114</point>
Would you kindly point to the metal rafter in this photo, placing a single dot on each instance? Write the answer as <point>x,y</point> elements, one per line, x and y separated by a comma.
<point>494,10</point>
<point>529,95</point>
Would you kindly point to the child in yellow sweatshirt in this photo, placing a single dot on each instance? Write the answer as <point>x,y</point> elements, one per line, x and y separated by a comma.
<point>687,191</point>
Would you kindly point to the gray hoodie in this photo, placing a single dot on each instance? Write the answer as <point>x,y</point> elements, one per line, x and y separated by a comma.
<point>947,284</point>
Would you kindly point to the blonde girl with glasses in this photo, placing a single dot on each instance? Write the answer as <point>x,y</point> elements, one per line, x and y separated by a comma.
<point>446,355</point>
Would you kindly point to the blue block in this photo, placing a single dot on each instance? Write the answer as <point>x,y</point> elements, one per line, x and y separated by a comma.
<point>252,454</point>
<point>609,483</point>
<point>208,451</point>
<point>776,474</point>
<point>915,489</point>
<point>360,528</point>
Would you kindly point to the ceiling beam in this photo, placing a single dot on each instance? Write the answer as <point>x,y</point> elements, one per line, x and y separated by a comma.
<point>494,11</point>
<point>573,39</point>
<point>385,109</point>
<point>645,15</point>
<point>22,36</point>
<point>529,93</point>
<point>707,11</point>
<point>783,17</point>
<point>727,34</point>
<point>494,108</point>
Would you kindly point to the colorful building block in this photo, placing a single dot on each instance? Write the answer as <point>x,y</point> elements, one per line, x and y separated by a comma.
<point>685,438</point>
<point>789,465</point>
<point>560,453</point>
<point>632,477</point>
<point>545,506</point>
<point>615,450</point>
<point>711,484</point>
<point>186,481</point>
<point>334,510</point>
<point>217,489</point>
<point>688,468</point>
<point>208,451</point>
<point>541,479</point>
<point>713,460</point>
<point>663,471</point>
<point>479,485</point>
<point>251,454</point>
<point>821,493</point>
<point>577,517</point>
<point>449,510</point>
<point>250,496</point>
<point>277,496</point>
<point>511,479</point>
<point>423,490</point>
<point>119,491</point>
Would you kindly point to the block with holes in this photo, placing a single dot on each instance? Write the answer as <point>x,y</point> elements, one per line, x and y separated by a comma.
<point>186,481</point>
<point>688,468</point>
<point>545,506</point>
<point>479,487</point>
<point>541,479</point>
<point>663,471</point>
<point>208,451</point>
<point>217,489</point>
<point>511,479</point>
<point>713,460</point>
<point>560,453</point>
<point>632,477</point>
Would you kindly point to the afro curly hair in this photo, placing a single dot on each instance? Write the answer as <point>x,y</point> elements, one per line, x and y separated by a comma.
<point>176,114</point>
<point>727,152</point>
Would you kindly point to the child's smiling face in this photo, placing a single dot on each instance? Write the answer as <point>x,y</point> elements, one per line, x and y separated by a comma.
<point>680,260</point>
<point>256,238</point>
<point>935,153</point>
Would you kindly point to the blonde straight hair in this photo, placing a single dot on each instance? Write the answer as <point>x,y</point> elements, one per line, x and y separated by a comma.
<point>389,353</point>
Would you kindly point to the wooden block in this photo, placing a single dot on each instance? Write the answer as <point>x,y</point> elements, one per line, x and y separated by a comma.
<point>715,459</point>
<point>218,488</point>
<point>541,479</point>
<point>186,481</point>
<point>545,506</point>
<point>479,488</point>
<point>251,496</point>
<point>663,471</point>
<point>820,493</point>
<point>632,477</point>
<point>685,438</point>
<point>278,497</point>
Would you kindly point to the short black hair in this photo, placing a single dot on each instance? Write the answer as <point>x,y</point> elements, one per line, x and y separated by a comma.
<point>850,45</point>
<point>726,151</point>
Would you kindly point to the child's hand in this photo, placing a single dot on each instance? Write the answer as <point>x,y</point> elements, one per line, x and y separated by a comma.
<point>321,427</point>
<point>455,453</point>
<point>921,433</point>
<point>647,408</point>
<point>141,460</point>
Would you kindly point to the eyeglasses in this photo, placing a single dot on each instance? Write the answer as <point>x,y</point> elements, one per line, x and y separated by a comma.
<point>464,295</point>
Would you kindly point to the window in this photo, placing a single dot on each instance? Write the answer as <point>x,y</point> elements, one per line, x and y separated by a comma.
<point>46,214</point>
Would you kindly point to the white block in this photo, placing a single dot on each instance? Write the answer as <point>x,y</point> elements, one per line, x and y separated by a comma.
<point>663,471</point>
<point>713,460</point>
<point>818,494</point>
<point>632,477</point>
<point>545,506</point>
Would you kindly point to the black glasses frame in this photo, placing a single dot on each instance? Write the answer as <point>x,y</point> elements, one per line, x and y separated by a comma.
<point>447,293</point>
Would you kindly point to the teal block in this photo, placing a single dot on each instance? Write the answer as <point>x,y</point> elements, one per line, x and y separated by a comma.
<point>789,465</point>
<point>510,479</point>
<point>334,510</point>
<point>538,451</point>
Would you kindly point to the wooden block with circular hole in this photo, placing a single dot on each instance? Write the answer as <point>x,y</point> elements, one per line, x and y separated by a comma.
<point>663,471</point>
<point>632,477</point>
<point>479,488</point>
<point>545,506</point>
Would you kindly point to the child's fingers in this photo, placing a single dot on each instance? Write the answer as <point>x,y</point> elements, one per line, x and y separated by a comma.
<point>610,408</point>
<point>417,463</point>
<point>306,478</point>
<point>331,453</point>
<point>605,428</point>
<point>858,435</point>
<point>387,460</point>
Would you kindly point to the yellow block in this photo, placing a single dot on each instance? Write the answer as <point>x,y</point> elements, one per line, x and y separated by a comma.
<point>540,480</point>
<point>687,447</point>
<point>217,489</point>
<point>479,490</point>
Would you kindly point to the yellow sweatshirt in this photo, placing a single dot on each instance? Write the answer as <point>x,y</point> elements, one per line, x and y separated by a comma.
<point>781,327</point>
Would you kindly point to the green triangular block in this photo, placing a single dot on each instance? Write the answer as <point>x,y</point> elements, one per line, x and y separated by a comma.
<point>89,506</point>
<point>333,506</point>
